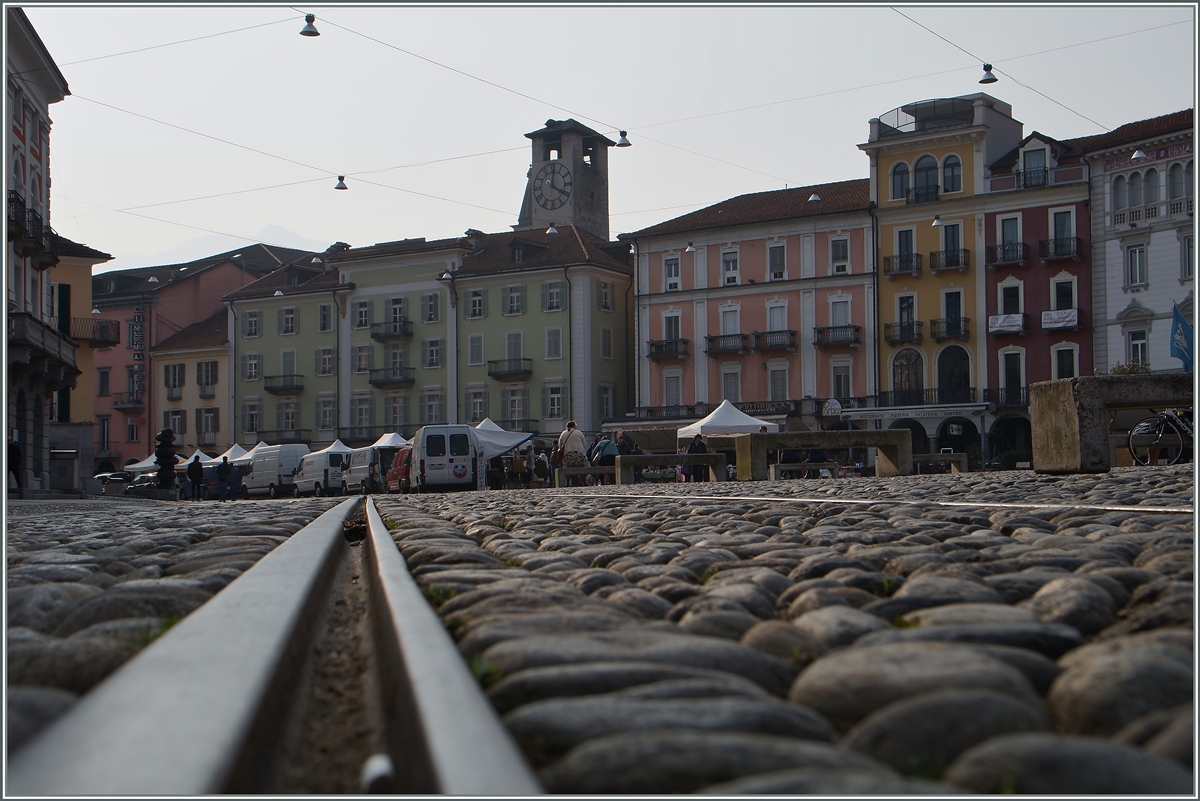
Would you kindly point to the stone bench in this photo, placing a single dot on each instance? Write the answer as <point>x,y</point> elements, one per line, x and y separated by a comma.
<point>561,474</point>
<point>893,449</point>
<point>714,461</point>
<point>1069,416</point>
<point>957,461</point>
<point>798,469</point>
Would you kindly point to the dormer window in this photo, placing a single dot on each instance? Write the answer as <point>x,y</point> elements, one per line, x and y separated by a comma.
<point>518,254</point>
<point>293,279</point>
<point>1033,171</point>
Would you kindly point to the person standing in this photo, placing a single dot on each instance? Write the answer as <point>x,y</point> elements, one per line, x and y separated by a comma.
<point>14,462</point>
<point>195,474</point>
<point>224,473</point>
<point>573,447</point>
<point>699,471</point>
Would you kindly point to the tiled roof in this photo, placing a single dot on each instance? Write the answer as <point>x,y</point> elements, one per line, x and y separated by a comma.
<point>400,247</point>
<point>783,204</point>
<point>258,260</point>
<point>306,279</point>
<point>570,246</point>
<point>65,247</point>
<point>209,333</point>
<point>1068,151</point>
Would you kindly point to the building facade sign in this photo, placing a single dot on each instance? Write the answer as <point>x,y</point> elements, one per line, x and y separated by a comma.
<point>1151,155</point>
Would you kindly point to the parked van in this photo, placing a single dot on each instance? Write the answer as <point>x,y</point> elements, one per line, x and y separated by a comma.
<point>321,473</point>
<point>269,470</point>
<point>368,467</point>
<point>399,477</point>
<point>446,457</point>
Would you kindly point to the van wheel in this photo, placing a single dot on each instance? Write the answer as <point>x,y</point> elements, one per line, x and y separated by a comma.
<point>295,490</point>
<point>317,491</point>
<point>345,491</point>
<point>404,490</point>
<point>245,493</point>
<point>271,491</point>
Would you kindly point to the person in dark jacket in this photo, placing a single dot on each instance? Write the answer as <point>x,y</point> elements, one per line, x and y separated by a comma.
<point>224,474</point>
<point>195,474</point>
<point>699,471</point>
<point>14,462</point>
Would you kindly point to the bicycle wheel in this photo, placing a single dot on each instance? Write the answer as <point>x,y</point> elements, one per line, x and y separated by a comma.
<point>1154,441</point>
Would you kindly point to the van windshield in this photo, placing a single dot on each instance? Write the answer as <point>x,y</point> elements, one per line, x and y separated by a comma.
<point>435,445</point>
<point>460,445</point>
<point>335,460</point>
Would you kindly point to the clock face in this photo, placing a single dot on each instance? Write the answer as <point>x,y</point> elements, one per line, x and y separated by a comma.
<point>552,185</point>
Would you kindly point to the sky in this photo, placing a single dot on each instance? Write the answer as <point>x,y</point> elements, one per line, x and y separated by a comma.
<point>190,131</point>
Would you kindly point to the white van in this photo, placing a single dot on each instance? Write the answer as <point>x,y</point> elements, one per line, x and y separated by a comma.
<point>320,474</point>
<point>269,470</point>
<point>368,468</point>
<point>446,457</point>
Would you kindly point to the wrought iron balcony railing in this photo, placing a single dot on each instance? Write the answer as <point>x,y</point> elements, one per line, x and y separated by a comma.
<point>393,377</point>
<point>206,438</point>
<point>1006,397</point>
<point>127,400</point>
<point>927,397</point>
<point>1008,254</point>
<point>1070,247</point>
<point>16,215</point>
<point>392,330</point>
<point>941,260</point>
<point>775,340</point>
<point>837,335</point>
<point>1008,324</point>
<point>288,384</point>
<point>667,349</point>
<point>510,368</point>
<point>97,333</point>
<point>924,194</point>
<point>174,393</point>
<point>1030,179</point>
<point>909,332</point>
<point>905,264</point>
<point>208,390</point>
<point>950,328</point>
<point>729,343</point>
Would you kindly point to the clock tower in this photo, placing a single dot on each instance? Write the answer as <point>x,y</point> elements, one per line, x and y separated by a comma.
<point>568,179</point>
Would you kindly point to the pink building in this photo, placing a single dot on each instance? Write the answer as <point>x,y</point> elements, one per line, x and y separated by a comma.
<point>765,299</point>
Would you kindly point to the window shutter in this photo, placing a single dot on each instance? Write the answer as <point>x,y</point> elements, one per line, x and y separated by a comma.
<point>182,423</point>
<point>521,298</point>
<point>166,419</point>
<point>166,375</point>
<point>424,308</point>
<point>545,295</point>
<point>214,373</point>
<point>599,297</point>
<point>545,403</point>
<point>484,310</point>
<point>279,321</point>
<point>403,303</point>
<point>245,324</point>
<point>279,416</point>
<point>371,411</point>
<point>199,422</point>
<point>296,319</point>
<point>317,414</point>
<point>216,410</point>
<point>199,373</point>
<point>245,418</point>
<point>370,357</point>
<point>317,362</point>
<point>370,312</point>
<point>441,352</point>
<point>333,362</point>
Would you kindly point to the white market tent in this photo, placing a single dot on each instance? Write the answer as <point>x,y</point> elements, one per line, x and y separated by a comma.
<point>337,446</point>
<point>495,442</point>
<point>149,465</point>
<point>235,451</point>
<point>392,440</point>
<point>726,419</point>
<point>245,457</point>
<point>487,424</point>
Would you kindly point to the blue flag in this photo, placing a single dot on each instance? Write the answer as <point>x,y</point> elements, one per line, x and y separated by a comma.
<point>1182,339</point>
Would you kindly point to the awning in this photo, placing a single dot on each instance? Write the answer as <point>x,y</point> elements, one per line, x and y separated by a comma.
<point>915,412</point>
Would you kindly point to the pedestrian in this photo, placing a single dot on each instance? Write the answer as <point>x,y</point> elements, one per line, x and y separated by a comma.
<point>541,469</point>
<point>605,455</point>
<point>14,463</point>
<point>224,473</point>
<point>573,446</point>
<point>195,474</point>
<point>635,450</point>
<point>591,451</point>
<point>699,471</point>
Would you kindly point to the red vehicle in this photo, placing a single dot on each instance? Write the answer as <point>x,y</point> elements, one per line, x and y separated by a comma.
<point>399,477</point>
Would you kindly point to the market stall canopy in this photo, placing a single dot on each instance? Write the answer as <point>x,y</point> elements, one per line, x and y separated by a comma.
<point>149,465</point>
<point>726,419</point>
<point>182,463</point>
<point>234,453</point>
<point>488,425</point>
<point>337,446</point>
<point>392,440</point>
<point>493,443</point>
<point>248,455</point>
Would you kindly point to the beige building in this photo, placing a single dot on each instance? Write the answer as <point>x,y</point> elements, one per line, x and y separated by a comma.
<point>192,366</point>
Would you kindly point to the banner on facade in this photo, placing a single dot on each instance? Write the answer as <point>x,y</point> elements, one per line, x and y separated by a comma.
<point>1182,339</point>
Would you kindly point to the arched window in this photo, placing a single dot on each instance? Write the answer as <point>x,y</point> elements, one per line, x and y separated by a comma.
<point>908,381</point>
<point>1151,187</point>
<point>952,174</point>
<point>1189,177</point>
<point>1175,182</point>
<point>954,376</point>
<point>1135,190</point>
<point>925,178</point>
<point>900,181</point>
<point>1119,199</point>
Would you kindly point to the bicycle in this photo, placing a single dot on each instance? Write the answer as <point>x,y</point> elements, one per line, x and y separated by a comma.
<point>1165,438</point>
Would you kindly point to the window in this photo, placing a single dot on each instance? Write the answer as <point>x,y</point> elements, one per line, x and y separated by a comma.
<point>251,416</point>
<point>1189,258</point>
<point>206,373</point>
<point>731,387</point>
<point>553,406</point>
<point>285,414</point>
<point>1010,299</point>
<point>840,256</point>
<point>433,405</point>
<point>606,343</point>
<point>102,433</point>
<point>604,295</point>
<point>326,419</point>
<point>952,174</point>
<point>952,244</point>
<point>477,406</point>
<point>514,345</point>
<point>729,322</point>
<point>1135,261</point>
<point>208,422</point>
<point>431,308</point>
<point>900,181</point>
<point>362,358</point>
<point>514,299</point>
<point>512,404</point>
<point>175,420</point>
<point>1119,193</point>
<point>672,390</point>
<point>250,365</point>
<point>777,382</point>
<point>132,430</point>
<point>1064,295</point>
<point>1150,187</point>
<point>173,375</point>
<point>518,254</point>
<point>102,387</point>
<point>840,381</point>
<point>395,411</point>
<point>776,263</point>
<point>324,361</point>
<point>1139,347</point>
<point>362,314</point>
<point>552,296</point>
<point>553,343</point>
<point>1175,182</point>
<point>671,327</point>
<point>287,320</point>
<point>1010,239</point>
<point>362,413</point>
<point>1034,162</point>
<point>839,313</point>
<point>777,318</point>
<point>287,362</point>
<point>397,357</point>
<point>477,304</point>
<point>398,311</point>
<point>729,268</point>
<point>475,349</point>
<point>671,272</point>
<point>1135,190</point>
<point>433,353</point>
<point>1064,362</point>
<point>325,317</point>
<point>925,179</point>
<point>606,402</point>
<point>250,323</point>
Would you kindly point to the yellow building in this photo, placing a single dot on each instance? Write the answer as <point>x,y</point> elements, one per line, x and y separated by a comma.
<point>191,387</point>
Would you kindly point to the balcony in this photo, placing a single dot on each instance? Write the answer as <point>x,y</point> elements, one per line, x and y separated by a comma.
<point>16,215</point>
<point>283,384</point>
<point>941,260</point>
<point>674,412</point>
<point>365,435</point>
<point>174,393</point>
<point>832,408</point>
<point>775,340</point>
<point>40,351</point>
<point>105,449</point>
<point>29,241</point>
<point>1008,255</point>
<point>275,436</point>
<point>393,377</point>
<point>927,397</point>
<point>1007,397</point>
<point>1062,319</point>
<point>923,194</point>
<point>1032,179</point>
<point>97,333</point>
<point>1070,247</point>
<point>128,401</point>
<point>835,335</point>
<point>898,333</point>
<point>667,349</point>
<point>208,391</point>
<point>503,369</point>
<point>1179,207</point>
<point>950,328</point>
<point>1008,324</point>
<point>761,407</point>
<point>393,330</point>
<point>206,439</point>
<point>907,264</point>
<point>724,344</point>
